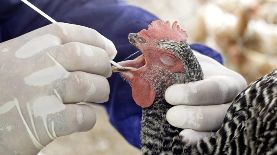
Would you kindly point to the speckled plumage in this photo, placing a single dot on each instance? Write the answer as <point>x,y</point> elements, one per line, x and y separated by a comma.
<point>249,127</point>
<point>157,135</point>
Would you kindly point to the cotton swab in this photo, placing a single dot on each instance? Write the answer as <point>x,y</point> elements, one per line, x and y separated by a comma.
<point>39,11</point>
<point>115,64</point>
<point>54,21</point>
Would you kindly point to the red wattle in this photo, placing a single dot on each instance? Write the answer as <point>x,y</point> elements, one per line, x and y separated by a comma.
<point>142,92</point>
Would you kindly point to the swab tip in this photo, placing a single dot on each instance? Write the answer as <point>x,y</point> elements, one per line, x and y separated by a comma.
<point>115,64</point>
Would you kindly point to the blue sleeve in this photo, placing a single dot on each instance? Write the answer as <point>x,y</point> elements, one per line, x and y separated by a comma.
<point>115,20</point>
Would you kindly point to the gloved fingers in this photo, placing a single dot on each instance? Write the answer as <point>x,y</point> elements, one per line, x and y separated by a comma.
<point>192,137</point>
<point>75,118</point>
<point>215,90</point>
<point>76,56</point>
<point>79,117</point>
<point>201,118</point>
<point>220,85</point>
<point>73,33</point>
<point>84,87</point>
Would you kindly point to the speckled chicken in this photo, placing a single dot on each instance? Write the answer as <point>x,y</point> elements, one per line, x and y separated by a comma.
<point>249,127</point>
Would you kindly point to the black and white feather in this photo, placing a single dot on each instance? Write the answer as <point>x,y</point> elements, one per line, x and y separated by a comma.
<point>249,127</point>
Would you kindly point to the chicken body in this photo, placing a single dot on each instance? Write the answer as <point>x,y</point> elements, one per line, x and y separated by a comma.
<point>249,127</point>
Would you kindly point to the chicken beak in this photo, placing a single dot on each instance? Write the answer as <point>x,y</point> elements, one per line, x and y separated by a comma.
<point>121,69</point>
<point>132,38</point>
<point>135,39</point>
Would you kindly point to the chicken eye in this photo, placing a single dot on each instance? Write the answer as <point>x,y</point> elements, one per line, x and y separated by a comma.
<point>168,60</point>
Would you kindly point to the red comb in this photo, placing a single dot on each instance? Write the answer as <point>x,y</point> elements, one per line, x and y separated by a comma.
<point>160,30</point>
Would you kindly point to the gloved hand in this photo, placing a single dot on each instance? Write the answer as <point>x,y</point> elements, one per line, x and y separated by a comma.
<point>42,72</point>
<point>201,106</point>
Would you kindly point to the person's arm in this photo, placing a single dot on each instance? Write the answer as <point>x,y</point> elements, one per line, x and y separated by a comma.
<point>7,8</point>
<point>115,21</point>
<point>108,18</point>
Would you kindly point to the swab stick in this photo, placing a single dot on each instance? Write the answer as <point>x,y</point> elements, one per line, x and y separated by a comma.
<point>54,21</point>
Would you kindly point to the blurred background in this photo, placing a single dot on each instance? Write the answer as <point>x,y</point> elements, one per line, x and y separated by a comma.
<point>243,31</point>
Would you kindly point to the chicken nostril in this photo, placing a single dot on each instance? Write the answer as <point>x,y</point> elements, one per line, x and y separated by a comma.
<point>141,40</point>
<point>132,40</point>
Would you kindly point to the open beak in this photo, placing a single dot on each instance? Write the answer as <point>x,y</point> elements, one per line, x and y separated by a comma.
<point>130,65</point>
<point>132,71</point>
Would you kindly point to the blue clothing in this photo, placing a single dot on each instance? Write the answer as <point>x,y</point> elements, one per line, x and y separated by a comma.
<point>112,18</point>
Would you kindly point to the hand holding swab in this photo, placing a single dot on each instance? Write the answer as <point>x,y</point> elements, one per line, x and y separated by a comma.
<point>117,66</point>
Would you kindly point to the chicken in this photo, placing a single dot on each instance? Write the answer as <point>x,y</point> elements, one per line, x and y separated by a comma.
<point>250,124</point>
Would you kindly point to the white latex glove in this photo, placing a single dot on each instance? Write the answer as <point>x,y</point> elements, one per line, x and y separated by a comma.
<point>201,106</point>
<point>42,71</point>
